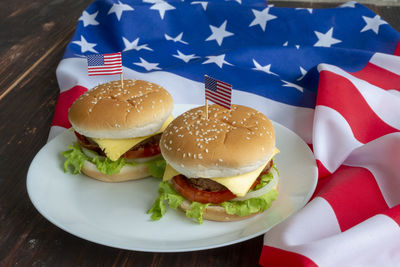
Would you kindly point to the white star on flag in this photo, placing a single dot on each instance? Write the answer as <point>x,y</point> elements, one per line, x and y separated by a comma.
<point>310,10</point>
<point>202,3</point>
<point>326,39</point>
<point>85,45</point>
<point>89,19</point>
<point>184,57</point>
<point>303,73</point>
<point>261,18</point>
<point>119,8</point>
<point>266,68</point>
<point>178,38</point>
<point>147,65</point>
<point>289,84</point>
<point>161,7</point>
<point>373,24</point>
<point>219,60</point>
<point>219,33</point>
<point>134,45</point>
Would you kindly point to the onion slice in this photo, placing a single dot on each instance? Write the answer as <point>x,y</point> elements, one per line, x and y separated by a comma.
<point>268,187</point>
<point>91,154</point>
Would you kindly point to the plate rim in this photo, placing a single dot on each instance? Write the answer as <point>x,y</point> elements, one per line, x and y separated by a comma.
<point>90,238</point>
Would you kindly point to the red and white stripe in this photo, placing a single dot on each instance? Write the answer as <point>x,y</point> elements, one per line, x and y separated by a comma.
<point>354,217</point>
<point>112,65</point>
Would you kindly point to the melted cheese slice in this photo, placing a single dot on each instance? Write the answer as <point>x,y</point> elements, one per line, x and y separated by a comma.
<point>238,185</point>
<point>115,148</point>
<point>169,173</point>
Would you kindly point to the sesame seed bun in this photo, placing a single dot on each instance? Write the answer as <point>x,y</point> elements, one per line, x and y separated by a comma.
<point>230,142</point>
<point>109,111</point>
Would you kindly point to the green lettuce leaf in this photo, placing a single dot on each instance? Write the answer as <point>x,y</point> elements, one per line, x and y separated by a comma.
<point>108,166</point>
<point>157,167</point>
<point>196,211</point>
<point>252,205</point>
<point>266,178</point>
<point>74,159</point>
<point>166,193</point>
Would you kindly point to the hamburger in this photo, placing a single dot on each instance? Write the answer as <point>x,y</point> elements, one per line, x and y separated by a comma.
<point>118,131</point>
<point>220,168</point>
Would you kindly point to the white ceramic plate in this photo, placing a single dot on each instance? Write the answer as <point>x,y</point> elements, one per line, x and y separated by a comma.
<point>115,214</point>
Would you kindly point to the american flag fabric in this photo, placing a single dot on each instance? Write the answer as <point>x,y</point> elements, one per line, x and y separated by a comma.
<point>104,64</point>
<point>330,75</point>
<point>218,92</point>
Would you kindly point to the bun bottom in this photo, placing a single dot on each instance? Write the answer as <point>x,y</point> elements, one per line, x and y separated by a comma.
<point>127,173</point>
<point>217,213</point>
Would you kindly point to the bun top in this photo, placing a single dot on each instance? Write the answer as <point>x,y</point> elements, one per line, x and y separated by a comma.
<point>230,142</point>
<point>109,111</point>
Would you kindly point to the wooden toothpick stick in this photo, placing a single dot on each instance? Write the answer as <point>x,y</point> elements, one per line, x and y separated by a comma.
<point>206,109</point>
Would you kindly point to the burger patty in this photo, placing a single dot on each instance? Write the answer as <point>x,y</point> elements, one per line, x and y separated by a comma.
<point>206,184</point>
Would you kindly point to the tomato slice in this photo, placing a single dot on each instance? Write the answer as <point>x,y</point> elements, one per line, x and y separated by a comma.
<point>81,138</point>
<point>194,194</point>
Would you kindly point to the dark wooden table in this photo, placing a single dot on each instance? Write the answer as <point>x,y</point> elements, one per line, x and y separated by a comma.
<point>33,36</point>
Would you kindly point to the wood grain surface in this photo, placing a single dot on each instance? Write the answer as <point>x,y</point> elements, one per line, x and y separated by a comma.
<point>33,36</point>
